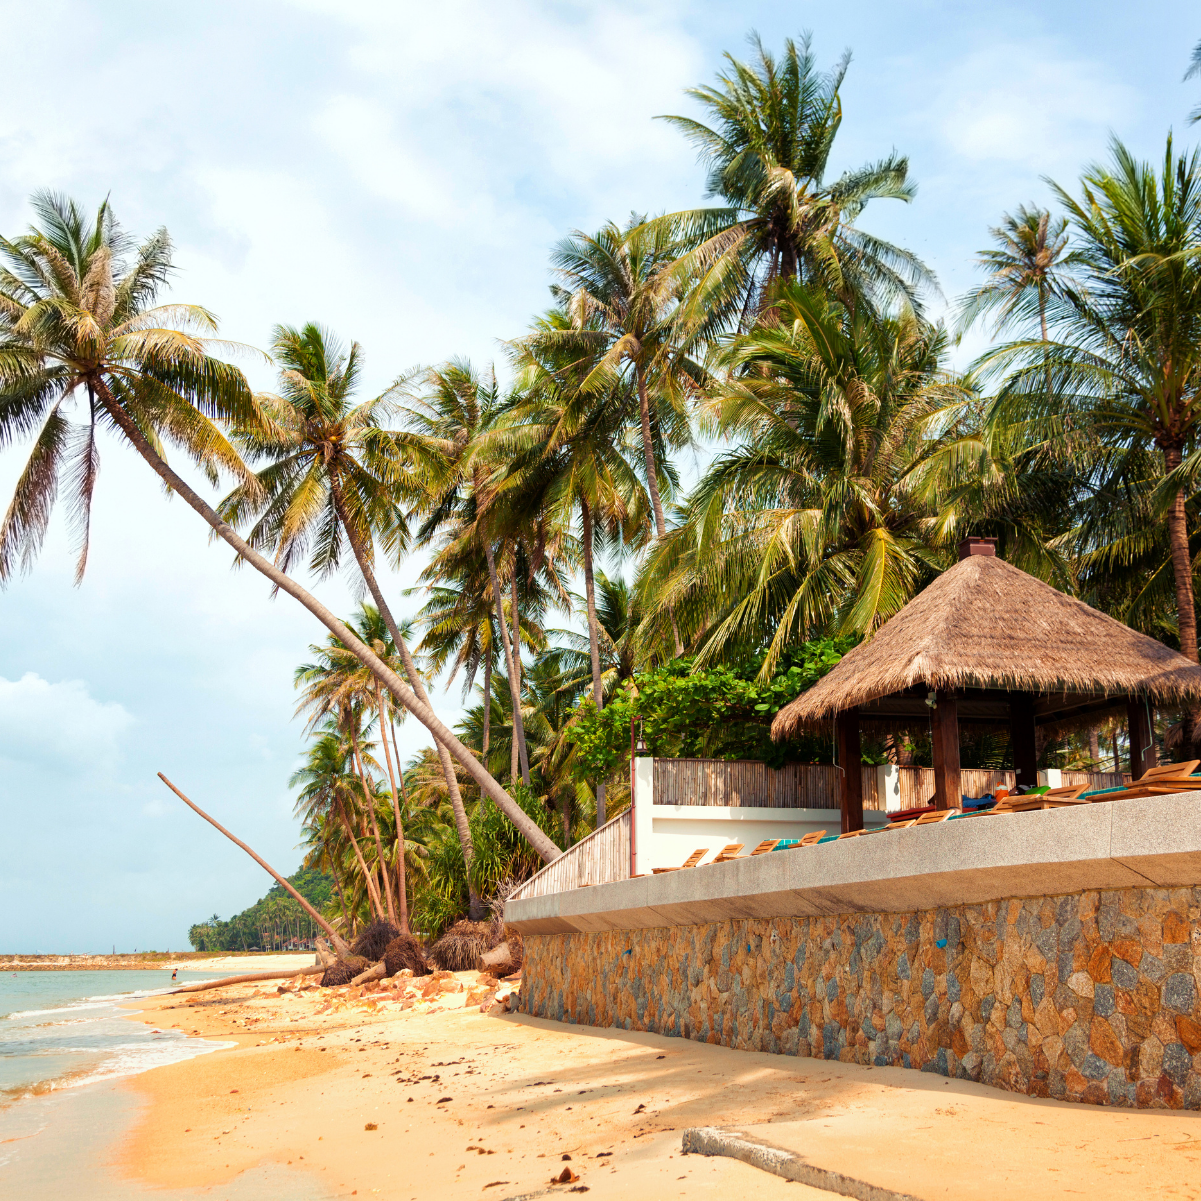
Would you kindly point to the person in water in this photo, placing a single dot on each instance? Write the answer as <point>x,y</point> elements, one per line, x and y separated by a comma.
<point>175,974</point>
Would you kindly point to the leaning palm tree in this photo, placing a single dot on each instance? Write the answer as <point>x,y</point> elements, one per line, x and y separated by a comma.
<point>1125,354</point>
<point>78,323</point>
<point>1195,69</point>
<point>768,147</point>
<point>335,479</point>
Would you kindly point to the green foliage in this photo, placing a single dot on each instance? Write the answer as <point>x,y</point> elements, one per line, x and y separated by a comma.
<point>274,919</point>
<point>721,713</point>
<point>501,853</point>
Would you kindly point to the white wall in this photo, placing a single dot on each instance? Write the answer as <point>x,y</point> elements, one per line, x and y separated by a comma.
<point>665,835</point>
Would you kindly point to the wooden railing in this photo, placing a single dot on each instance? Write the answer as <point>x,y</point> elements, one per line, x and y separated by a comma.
<point>741,783</point>
<point>599,858</point>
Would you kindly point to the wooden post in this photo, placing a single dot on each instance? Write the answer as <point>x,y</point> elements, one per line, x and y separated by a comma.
<point>1142,742</point>
<point>948,793</point>
<point>851,761</point>
<point>1021,739</point>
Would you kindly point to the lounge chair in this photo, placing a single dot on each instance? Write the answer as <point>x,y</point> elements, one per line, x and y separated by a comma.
<point>691,861</point>
<point>730,852</point>
<point>1162,780</point>
<point>1044,798</point>
<point>939,815</point>
<point>768,844</point>
<point>853,834</point>
<point>812,839</point>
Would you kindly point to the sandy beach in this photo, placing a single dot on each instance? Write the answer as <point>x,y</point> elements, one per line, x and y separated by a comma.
<point>373,1093</point>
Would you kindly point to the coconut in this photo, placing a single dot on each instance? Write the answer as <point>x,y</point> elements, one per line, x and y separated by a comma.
<point>374,940</point>
<point>405,952</point>
<point>344,971</point>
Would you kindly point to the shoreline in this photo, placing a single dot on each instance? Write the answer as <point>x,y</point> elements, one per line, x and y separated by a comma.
<point>199,961</point>
<point>376,1090</point>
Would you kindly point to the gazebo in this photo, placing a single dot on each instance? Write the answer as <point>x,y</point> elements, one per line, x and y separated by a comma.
<point>986,643</point>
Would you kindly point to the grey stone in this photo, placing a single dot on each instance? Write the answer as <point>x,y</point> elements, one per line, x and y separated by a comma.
<point>986,1005</point>
<point>1065,966</point>
<point>1094,1068</point>
<point>1038,990</point>
<point>930,1010</point>
<point>928,982</point>
<point>1103,1000</point>
<point>902,964</point>
<point>1124,976</point>
<point>954,989</point>
<point>1180,993</point>
<point>1177,1063</point>
<point>1152,968</point>
<point>1075,1042</point>
<point>1013,1016</point>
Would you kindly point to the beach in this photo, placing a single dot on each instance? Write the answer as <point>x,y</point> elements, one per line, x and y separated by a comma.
<point>367,1094</point>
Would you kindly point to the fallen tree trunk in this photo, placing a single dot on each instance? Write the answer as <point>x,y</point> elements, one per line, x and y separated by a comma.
<point>339,945</point>
<point>304,971</point>
<point>377,971</point>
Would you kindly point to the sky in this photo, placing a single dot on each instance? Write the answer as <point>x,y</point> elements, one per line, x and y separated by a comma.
<point>399,172</point>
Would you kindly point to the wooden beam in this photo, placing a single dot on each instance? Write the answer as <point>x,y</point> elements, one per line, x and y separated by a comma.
<point>1021,738</point>
<point>1142,742</point>
<point>948,791</point>
<point>850,759</point>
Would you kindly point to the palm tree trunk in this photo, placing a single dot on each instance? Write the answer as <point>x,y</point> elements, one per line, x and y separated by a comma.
<point>515,633</point>
<point>365,655</point>
<point>565,809</point>
<point>401,884</point>
<point>514,686</point>
<point>1186,611</point>
<point>369,800</point>
<point>598,693</point>
<point>652,478</point>
<point>372,894</point>
<point>487,705</point>
<point>475,905</point>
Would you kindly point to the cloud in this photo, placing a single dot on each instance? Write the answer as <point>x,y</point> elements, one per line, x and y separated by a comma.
<point>60,726</point>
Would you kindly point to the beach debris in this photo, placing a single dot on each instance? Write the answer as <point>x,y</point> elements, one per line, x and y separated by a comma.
<point>373,941</point>
<point>344,971</point>
<point>460,948</point>
<point>405,952</point>
<point>376,971</point>
<point>640,1109</point>
<point>246,979</point>
<point>566,1176</point>
<point>370,1126</point>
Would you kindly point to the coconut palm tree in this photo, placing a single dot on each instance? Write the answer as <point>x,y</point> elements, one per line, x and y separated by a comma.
<point>773,124</point>
<point>1029,260</point>
<point>1125,354</point>
<point>1195,69</point>
<point>809,525</point>
<point>78,324</point>
<point>620,294</point>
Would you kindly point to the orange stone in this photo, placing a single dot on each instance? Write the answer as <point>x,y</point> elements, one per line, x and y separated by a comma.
<point>1129,950</point>
<point>1175,928</point>
<point>1104,1042</point>
<point>1190,1034</point>
<point>1098,964</point>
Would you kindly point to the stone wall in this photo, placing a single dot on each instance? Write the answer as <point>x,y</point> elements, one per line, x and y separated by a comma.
<point>1087,997</point>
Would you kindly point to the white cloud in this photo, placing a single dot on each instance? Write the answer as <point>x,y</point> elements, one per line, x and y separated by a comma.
<point>60,725</point>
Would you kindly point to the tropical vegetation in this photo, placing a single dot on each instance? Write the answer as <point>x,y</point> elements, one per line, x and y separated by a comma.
<point>571,584</point>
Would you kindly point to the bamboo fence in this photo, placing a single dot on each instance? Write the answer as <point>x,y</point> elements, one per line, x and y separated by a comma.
<point>599,858</point>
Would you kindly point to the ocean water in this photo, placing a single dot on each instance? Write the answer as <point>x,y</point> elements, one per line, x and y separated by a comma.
<point>64,1029</point>
<point>64,1045</point>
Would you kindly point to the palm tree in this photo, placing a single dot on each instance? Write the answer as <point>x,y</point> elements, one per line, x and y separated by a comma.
<point>78,321</point>
<point>334,475</point>
<point>1126,356</point>
<point>772,132</point>
<point>810,524</point>
<point>621,290</point>
<point>1195,69</point>
<point>618,617</point>
<point>1029,261</point>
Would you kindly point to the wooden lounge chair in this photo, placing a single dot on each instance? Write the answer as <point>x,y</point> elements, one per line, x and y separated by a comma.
<point>729,852</point>
<point>1048,798</point>
<point>811,840</point>
<point>912,821</point>
<point>691,861</point>
<point>939,815</point>
<point>852,834</point>
<point>768,844</point>
<point>1162,780</point>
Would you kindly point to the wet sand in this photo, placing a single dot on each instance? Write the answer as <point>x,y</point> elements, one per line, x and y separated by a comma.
<point>372,1094</point>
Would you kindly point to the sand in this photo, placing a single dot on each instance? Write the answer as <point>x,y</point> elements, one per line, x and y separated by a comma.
<point>237,965</point>
<point>441,1099</point>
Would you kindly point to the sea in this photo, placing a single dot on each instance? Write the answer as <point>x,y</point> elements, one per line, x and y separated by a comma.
<point>66,1042</point>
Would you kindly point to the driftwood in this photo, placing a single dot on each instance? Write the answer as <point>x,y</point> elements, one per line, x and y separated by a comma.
<point>326,957</point>
<point>500,957</point>
<point>339,945</point>
<point>376,971</point>
<point>304,971</point>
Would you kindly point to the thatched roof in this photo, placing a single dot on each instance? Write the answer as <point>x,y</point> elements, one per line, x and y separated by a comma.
<point>986,624</point>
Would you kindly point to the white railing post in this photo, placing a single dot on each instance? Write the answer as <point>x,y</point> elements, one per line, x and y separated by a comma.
<point>888,787</point>
<point>642,832</point>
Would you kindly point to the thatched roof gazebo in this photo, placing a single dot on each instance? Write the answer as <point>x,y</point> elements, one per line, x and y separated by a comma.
<point>987,643</point>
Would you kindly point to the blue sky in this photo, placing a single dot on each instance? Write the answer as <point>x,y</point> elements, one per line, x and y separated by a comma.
<point>399,171</point>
